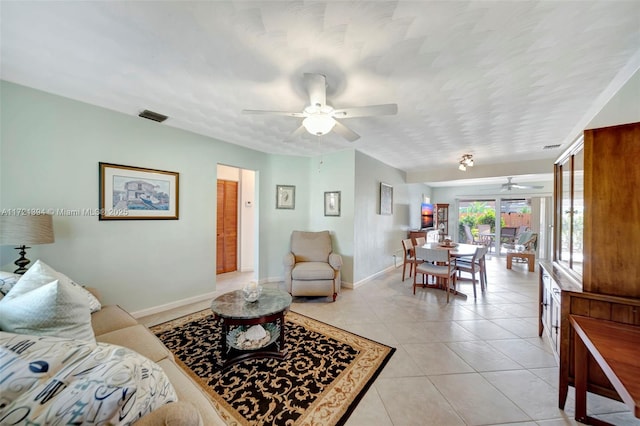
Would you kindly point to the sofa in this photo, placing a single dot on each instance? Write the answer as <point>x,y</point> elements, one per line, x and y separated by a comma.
<point>114,325</point>
<point>185,403</point>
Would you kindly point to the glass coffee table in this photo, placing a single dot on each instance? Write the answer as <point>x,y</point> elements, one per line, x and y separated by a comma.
<point>237,316</point>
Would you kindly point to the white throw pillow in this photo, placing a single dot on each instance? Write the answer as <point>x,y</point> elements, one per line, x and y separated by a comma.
<point>40,273</point>
<point>53,309</point>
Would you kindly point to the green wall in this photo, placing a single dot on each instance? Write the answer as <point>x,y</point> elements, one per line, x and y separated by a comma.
<point>50,148</point>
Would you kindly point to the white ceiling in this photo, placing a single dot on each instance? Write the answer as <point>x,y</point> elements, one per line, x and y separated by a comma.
<point>497,79</point>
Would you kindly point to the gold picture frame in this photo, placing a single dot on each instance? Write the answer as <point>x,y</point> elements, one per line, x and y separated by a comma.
<point>130,193</point>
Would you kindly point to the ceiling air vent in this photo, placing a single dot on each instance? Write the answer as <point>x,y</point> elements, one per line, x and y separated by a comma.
<point>152,116</point>
<point>551,146</point>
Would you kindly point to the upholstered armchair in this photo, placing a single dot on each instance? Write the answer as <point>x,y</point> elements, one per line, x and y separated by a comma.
<point>311,268</point>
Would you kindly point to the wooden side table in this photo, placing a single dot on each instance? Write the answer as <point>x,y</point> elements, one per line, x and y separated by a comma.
<point>528,255</point>
<point>615,347</point>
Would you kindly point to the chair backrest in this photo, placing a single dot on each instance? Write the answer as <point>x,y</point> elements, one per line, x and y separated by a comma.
<point>420,241</point>
<point>508,234</point>
<point>524,237</point>
<point>407,247</point>
<point>532,243</point>
<point>433,236</point>
<point>482,252</point>
<point>311,246</point>
<point>484,229</point>
<point>467,231</point>
<point>434,255</point>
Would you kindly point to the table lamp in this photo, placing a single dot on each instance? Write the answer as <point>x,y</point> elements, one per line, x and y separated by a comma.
<point>23,230</point>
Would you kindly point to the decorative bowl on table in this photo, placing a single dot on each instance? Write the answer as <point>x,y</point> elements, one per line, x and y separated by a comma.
<point>252,291</point>
<point>255,337</point>
<point>448,244</point>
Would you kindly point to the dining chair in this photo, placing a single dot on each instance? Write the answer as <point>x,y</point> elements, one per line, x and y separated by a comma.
<point>473,265</point>
<point>471,239</point>
<point>508,234</point>
<point>439,264</point>
<point>409,257</point>
<point>420,241</point>
<point>484,229</point>
<point>433,236</point>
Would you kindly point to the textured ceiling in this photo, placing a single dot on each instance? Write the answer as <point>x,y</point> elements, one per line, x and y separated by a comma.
<point>499,80</point>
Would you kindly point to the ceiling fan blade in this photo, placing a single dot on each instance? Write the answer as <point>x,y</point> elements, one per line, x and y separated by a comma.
<point>527,186</point>
<point>259,111</point>
<point>316,88</point>
<point>297,132</point>
<point>366,111</point>
<point>345,132</point>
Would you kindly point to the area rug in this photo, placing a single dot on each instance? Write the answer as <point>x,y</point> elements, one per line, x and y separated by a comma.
<point>324,375</point>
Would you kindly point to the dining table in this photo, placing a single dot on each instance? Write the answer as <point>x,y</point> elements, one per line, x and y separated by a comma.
<point>455,250</point>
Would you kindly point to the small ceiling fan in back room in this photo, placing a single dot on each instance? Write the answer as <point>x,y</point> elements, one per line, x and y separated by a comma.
<point>319,118</point>
<point>511,185</point>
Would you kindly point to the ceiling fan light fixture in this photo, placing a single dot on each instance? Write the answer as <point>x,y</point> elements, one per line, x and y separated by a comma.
<point>462,167</point>
<point>318,124</point>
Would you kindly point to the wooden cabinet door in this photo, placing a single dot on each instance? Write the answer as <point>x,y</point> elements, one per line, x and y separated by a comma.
<point>227,227</point>
<point>612,211</point>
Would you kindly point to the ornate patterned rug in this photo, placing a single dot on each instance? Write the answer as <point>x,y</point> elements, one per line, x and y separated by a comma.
<point>320,381</point>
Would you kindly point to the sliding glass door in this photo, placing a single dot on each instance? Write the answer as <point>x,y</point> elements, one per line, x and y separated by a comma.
<point>476,220</point>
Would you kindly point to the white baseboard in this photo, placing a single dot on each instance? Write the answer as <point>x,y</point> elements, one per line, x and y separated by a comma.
<point>173,305</point>
<point>366,280</point>
<point>211,295</point>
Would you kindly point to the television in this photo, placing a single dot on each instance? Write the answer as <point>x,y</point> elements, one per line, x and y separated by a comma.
<point>426,214</point>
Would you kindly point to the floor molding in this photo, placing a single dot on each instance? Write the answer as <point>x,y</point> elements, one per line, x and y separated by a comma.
<point>177,304</point>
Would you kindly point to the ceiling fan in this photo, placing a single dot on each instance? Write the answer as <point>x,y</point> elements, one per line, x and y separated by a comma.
<point>510,185</point>
<point>320,118</point>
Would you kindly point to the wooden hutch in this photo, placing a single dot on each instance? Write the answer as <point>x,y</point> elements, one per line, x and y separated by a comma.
<point>595,270</point>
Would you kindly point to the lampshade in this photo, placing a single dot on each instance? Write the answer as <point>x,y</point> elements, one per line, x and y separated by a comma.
<point>26,229</point>
<point>319,124</point>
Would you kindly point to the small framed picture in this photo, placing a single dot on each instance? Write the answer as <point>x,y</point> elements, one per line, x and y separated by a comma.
<point>332,203</point>
<point>128,192</point>
<point>386,199</point>
<point>285,197</point>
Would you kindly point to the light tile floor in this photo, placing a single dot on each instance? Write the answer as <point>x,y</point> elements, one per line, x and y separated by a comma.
<point>469,362</point>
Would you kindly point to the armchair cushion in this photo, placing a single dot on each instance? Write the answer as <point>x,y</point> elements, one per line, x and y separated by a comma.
<point>313,271</point>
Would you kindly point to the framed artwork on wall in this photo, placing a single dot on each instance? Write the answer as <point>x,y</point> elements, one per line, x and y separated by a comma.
<point>386,199</point>
<point>128,192</point>
<point>332,203</point>
<point>285,197</point>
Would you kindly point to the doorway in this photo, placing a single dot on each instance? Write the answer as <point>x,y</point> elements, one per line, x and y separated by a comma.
<point>236,223</point>
<point>227,227</point>
<point>479,216</point>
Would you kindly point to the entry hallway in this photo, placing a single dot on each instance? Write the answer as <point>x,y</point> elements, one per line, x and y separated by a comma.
<point>469,362</point>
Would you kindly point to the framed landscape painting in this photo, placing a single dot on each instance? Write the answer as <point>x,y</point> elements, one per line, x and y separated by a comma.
<point>128,192</point>
<point>386,199</point>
